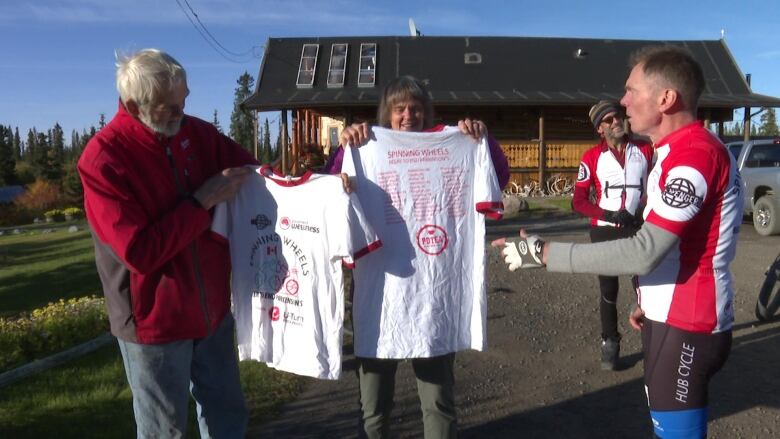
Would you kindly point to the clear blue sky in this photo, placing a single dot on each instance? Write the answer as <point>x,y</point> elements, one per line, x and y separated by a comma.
<point>58,55</point>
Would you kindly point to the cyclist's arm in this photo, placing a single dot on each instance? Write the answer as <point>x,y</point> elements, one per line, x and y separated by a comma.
<point>639,254</point>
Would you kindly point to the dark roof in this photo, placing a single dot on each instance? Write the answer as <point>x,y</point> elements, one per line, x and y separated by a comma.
<point>513,71</point>
<point>9,193</point>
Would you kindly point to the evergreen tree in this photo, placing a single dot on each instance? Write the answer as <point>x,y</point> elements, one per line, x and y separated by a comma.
<point>241,124</point>
<point>55,154</point>
<point>101,121</point>
<point>17,145</point>
<point>216,122</point>
<point>265,156</point>
<point>277,151</point>
<point>30,152</point>
<point>769,123</point>
<point>7,160</point>
<point>75,143</point>
<point>40,157</point>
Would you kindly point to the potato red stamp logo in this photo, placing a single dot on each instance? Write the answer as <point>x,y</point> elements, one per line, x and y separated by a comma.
<point>284,223</point>
<point>432,239</point>
<point>292,287</point>
<point>273,313</point>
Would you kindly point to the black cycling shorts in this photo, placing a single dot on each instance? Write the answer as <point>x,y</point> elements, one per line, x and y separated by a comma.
<point>678,368</point>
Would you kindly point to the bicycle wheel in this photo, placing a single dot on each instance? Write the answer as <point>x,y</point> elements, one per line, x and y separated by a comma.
<point>769,296</point>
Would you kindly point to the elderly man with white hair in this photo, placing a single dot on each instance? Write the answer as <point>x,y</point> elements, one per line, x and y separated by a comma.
<point>150,178</point>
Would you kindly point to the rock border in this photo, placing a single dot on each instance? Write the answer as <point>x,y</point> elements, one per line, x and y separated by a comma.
<point>57,359</point>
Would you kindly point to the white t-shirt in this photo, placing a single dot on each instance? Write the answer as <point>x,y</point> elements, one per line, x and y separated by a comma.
<point>424,294</point>
<point>287,241</point>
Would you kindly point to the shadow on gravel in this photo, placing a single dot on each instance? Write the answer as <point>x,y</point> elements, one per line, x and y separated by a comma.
<point>544,223</point>
<point>748,380</point>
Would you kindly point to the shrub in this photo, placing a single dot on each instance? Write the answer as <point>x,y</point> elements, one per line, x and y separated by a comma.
<point>39,197</point>
<point>13,215</point>
<point>72,212</point>
<point>51,329</point>
<point>53,215</point>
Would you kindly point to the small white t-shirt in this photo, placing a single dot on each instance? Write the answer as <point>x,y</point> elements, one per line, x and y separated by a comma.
<point>288,239</point>
<point>424,294</point>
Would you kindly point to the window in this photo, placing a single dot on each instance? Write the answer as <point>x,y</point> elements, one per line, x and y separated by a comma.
<point>308,65</point>
<point>735,149</point>
<point>367,70</point>
<point>764,156</point>
<point>338,65</point>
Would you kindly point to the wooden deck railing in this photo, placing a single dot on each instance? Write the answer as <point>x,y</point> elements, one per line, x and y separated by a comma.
<point>560,154</point>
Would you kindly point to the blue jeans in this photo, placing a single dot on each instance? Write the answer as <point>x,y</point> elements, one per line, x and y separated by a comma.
<point>162,376</point>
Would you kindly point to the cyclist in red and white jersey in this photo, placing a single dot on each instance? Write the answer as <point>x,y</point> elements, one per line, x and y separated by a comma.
<point>683,250</point>
<point>616,171</point>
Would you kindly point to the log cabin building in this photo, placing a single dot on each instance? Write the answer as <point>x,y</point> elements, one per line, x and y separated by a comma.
<point>533,93</point>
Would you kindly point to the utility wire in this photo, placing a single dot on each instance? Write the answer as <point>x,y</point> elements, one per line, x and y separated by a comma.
<point>212,36</point>
<point>210,39</point>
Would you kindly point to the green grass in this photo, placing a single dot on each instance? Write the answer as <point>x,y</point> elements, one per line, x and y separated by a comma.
<point>549,203</point>
<point>86,398</point>
<point>90,398</point>
<point>37,268</point>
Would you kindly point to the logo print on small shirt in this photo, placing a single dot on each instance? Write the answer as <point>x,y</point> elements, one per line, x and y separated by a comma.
<point>261,222</point>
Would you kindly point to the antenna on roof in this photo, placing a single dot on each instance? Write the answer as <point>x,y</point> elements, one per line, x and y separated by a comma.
<point>413,31</point>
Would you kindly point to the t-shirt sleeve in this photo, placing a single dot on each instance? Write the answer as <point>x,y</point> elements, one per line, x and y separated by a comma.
<point>348,161</point>
<point>362,237</point>
<point>487,192</point>
<point>220,224</point>
<point>683,189</point>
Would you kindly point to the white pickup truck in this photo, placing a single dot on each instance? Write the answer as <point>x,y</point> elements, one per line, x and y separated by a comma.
<point>759,164</point>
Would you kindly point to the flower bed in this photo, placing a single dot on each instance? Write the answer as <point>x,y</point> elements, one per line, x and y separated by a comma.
<point>51,329</point>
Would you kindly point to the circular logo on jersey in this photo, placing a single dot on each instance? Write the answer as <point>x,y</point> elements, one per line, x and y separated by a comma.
<point>274,313</point>
<point>680,193</point>
<point>284,223</point>
<point>292,287</point>
<point>583,173</point>
<point>432,239</point>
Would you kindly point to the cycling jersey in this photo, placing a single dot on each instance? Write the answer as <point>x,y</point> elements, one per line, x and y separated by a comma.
<point>693,192</point>
<point>620,182</point>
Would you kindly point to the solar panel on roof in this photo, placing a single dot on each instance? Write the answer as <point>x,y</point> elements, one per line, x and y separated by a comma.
<point>307,66</point>
<point>338,65</point>
<point>367,68</point>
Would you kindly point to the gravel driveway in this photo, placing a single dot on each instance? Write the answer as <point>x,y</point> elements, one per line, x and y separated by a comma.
<point>540,376</point>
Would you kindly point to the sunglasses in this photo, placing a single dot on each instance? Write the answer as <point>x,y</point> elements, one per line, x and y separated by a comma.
<point>609,119</point>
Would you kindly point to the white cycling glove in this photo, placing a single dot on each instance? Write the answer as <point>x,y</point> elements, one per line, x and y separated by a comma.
<point>523,253</point>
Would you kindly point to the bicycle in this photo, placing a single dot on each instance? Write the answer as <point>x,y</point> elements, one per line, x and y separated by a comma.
<point>769,295</point>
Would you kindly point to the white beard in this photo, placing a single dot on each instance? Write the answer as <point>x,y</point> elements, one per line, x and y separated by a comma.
<point>169,130</point>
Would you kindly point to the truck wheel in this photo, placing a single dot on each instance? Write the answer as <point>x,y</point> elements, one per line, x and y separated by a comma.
<point>765,216</point>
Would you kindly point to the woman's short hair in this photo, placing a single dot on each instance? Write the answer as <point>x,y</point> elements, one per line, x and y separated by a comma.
<point>146,76</point>
<point>402,89</point>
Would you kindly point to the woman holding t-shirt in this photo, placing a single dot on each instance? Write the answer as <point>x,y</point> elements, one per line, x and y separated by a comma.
<point>405,106</point>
